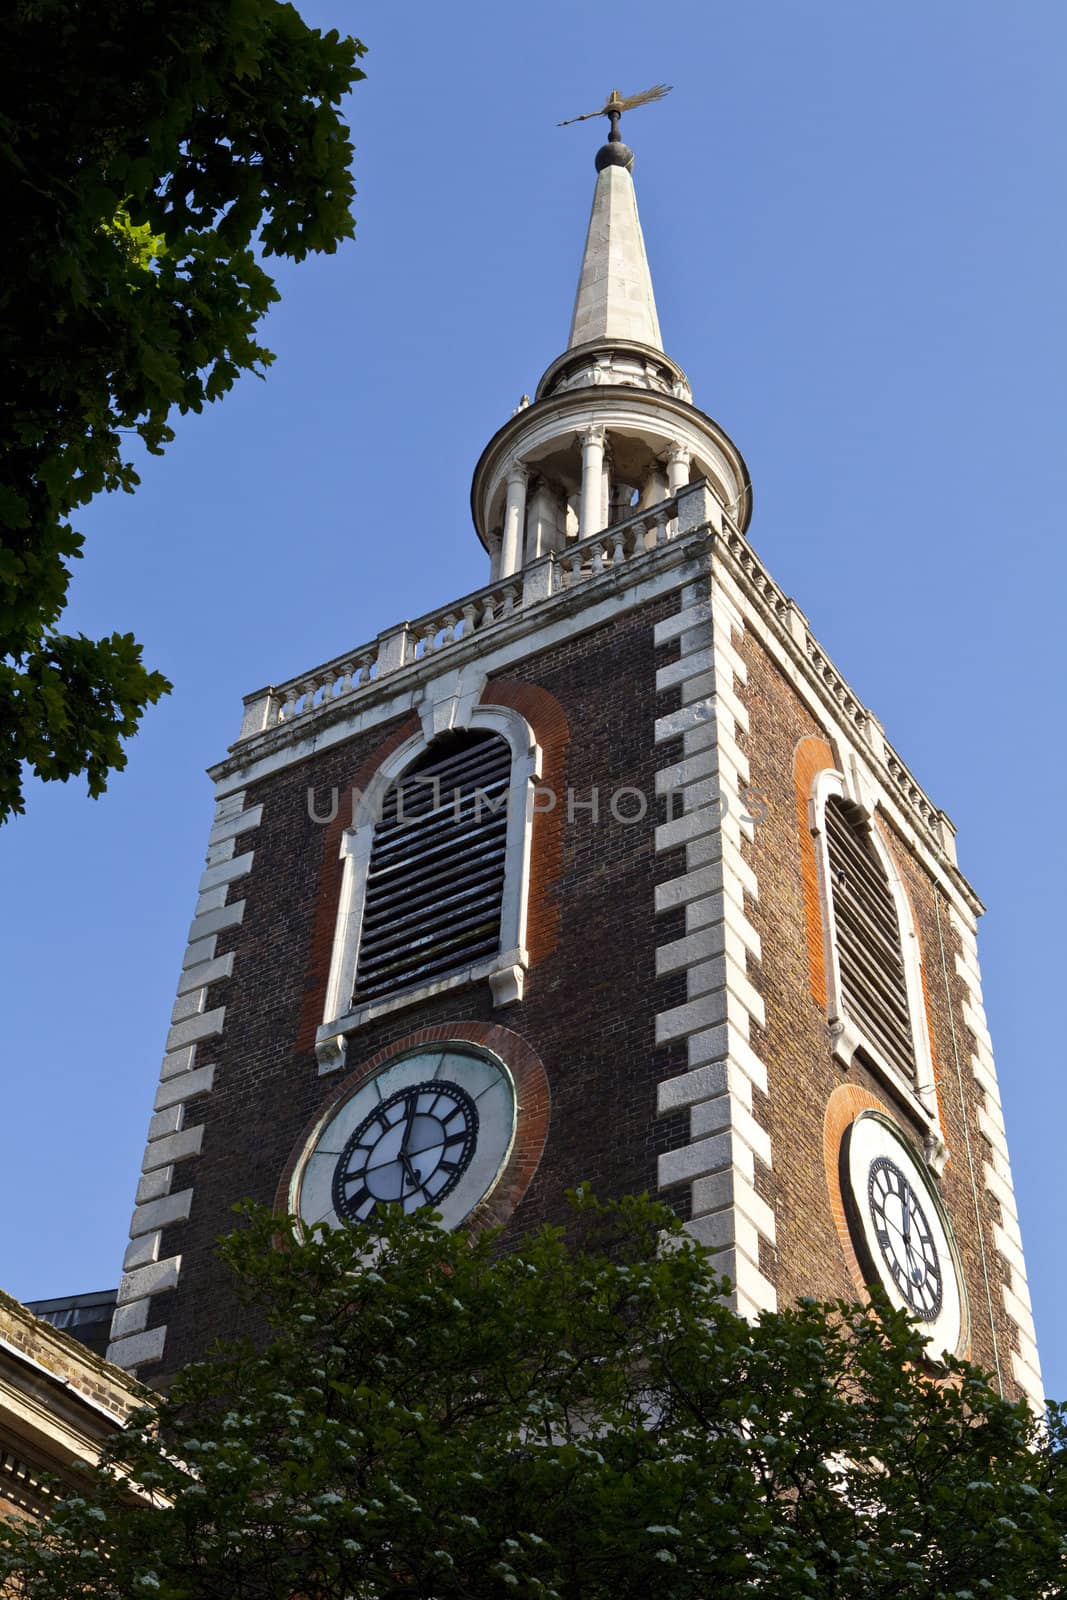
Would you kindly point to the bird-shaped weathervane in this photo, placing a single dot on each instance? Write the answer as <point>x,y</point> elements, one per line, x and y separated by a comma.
<point>615,152</point>
<point>617,103</point>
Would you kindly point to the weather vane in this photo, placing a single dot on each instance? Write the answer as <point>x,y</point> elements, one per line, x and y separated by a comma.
<point>615,153</point>
<point>617,103</point>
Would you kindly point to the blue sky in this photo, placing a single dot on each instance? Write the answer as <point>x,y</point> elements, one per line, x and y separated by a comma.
<point>855,220</point>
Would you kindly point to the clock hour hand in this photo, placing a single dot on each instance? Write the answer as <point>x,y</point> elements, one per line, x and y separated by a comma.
<point>410,1171</point>
<point>405,1160</point>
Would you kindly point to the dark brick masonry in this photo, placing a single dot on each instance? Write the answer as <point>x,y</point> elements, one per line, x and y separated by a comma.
<point>591,995</point>
<point>810,1258</point>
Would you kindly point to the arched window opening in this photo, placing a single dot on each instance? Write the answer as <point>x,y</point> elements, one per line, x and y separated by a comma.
<point>436,876</point>
<point>874,989</point>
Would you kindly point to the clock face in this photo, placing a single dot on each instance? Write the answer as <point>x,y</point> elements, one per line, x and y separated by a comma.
<point>900,1230</point>
<point>411,1149</point>
<point>432,1128</point>
<point>904,1237</point>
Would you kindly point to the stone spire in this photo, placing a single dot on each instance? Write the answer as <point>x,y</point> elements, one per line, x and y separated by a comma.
<point>615,298</point>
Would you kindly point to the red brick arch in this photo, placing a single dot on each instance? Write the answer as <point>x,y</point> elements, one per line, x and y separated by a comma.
<point>811,756</point>
<point>552,731</point>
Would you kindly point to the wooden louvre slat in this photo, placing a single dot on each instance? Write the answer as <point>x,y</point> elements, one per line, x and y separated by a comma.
<point>419,787</point>
<point>406,900</point>
<point>428,791</point>
<point>871,962</point>
<point>435,883</point>
<point>854,855</point>
<point>456,814</point>
<point>874,953</point>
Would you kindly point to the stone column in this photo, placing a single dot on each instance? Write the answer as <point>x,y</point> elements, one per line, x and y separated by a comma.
<point>677,467</point>
<point>514,520</point>
<point>591,518</point>
<point>543,522</point>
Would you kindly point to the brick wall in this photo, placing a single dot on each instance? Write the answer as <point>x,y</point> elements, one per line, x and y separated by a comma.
<point>591,994</point>
<point>786,746</point>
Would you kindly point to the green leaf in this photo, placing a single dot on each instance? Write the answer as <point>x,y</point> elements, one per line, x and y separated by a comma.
<point>168,145</point>
<point>335,1458</point>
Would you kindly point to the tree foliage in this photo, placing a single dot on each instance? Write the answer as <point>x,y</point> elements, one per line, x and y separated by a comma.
<point>433,1417</point>
<point>154,155</point>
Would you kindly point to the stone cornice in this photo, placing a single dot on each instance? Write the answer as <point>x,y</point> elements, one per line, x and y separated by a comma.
<point>58,1399</point>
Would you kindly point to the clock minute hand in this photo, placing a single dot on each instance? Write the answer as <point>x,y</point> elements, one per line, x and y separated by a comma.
<point>408,1120</point>
<point>914,1265</point>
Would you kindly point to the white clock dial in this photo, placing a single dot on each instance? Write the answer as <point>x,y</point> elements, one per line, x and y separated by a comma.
<point>905,1238</point>
<point>900,1230</point>
<point>433,1127</point>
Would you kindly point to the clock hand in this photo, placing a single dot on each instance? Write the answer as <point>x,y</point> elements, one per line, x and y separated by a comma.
<point>412,1172</point>
<point>914,1266</point>
<point>909,1250</point>
<point>896,1229</point>
<point>914,1269</point>
<point>405,1160</point>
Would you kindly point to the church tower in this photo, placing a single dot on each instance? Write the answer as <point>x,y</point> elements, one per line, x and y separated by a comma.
<point>601,873</point>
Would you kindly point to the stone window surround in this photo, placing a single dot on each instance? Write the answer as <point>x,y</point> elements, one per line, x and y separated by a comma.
<point>506,969</point>
<point>845,1034</point>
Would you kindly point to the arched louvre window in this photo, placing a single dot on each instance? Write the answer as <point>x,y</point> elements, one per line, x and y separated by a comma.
<point>436,877</point>
<point>870,958</point>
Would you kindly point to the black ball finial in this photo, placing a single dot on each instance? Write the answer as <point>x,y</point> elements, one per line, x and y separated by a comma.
<point>614,154</point>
